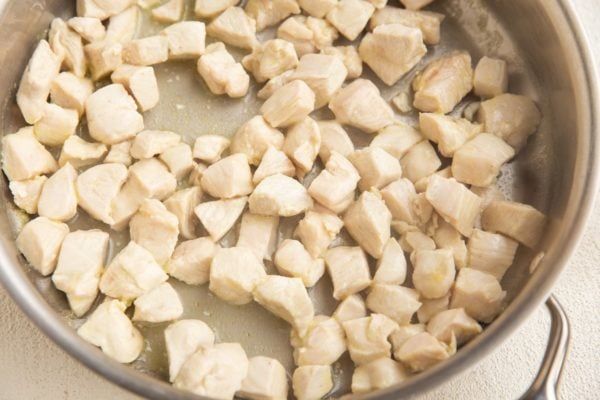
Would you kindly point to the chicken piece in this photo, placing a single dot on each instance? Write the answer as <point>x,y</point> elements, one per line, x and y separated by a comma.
<point>270,12</point>
<point>426,21</point>
<point>399,197</point>
<point>80,153</point>
<point>270,59</point>
<point>317,230</point>
<point>490,78</point>
<point>360,105</point>
<point>352,307</point>
<point>324,74</point>
<point>190,262</point>
<point>348,269</point>
<point>424,213</point>
<point>443,83</point>
<point>349,56</point>
<point>148,144</point>
<point>415,4</point>
<point>219,216</point>
<point>397,139</point>
<point>450,133</point>
<point>182,204</point>
<point>307,34</point>
<point>140,82</point>
<point>182,339</point>
<point>447,237</point>
<point>161,304</point>
<point>368,222</point>
<point>266,380</point>
<point>403,333</point>
<point>378,374</point>
<point>122,27</point>
<point>334,187</point>
<point>210,147</point>
<point>279,195</point>
<point>312,382</point>
<point>228,178</point>
<point>196,173</point>
<point>89,28</point>
<point>67,44</point>
<point>273,162</point>
<point>212,8</point>
<point>488,195</point>
<point>186,39</point>
<point>454,202</point>
<point>491,252</point>
<point>26,194</point>
<point>110,329</point>
<point>112,115</point>
<point>253,139</point>
<point>119,153</point>
<point>422,351</point>
<point>323,33</point>
<point>378,4</point>
<point>333,138</point>
<point>396,302</point>
<point>274,83</point>
<point>479,293</point>
<point>350,17</point>
<point>101,9</point>
<point>216,372</point>
<point>317,8</point>
<point>421,184</point>
<point>376,167</point>
<point>221,73</point>
<point>97,187</point>
<point>292,259</point>
<point>286,298</point>
<point>156,229</point>
<point>415,240</point>
<point>56,126</point>
<point>23,157</point>
<point>70,91</point>
<point>235,28</point>
<point>453,324</point>
<point>434,272</point>
<point>367,338</point>
<point>146,51</point>
<point>323,344</point>
<point>34,88</point>
<point>402,103</point>
<point>40,241</point>
<point>302,144</point>
<point>518,221</point>
<point>431,307</point>
<point>289,104</point>
<point>178,159</point>
<point>392,50</point>
<point>170,12</point>
<point>58,200</point>
<point>259,234</point>
<point>103,58</point>
<point>391,267</point>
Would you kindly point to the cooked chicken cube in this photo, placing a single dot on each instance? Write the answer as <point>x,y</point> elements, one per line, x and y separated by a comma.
<point>402,103</point>
<point>101,9</point>
<point>40,241</point>
<point>447,237</point>
<point>334,187</point>
<point>97,187</point>
<point>89,28</point>
<point>421,184</point>
<point>103,58</point>
<point>488,194</point>
<point>397,139</point>
<point>312,382</point>
<point>348,269</point>
<point>453,323</point>
<point>392,50</point>
<point>289,104</point>
<point>219,216</point>
<point>235,28</point>
<point>288,299</point>
<point>292,259</point>
<point>140,82</point>
<point>56,125</point>
<point>146,51</point>
<point>317,230</point>
<point>259,234</point>
<point>352,307</point>
<point>378,374</point>
<point>23,157</point>
<point>273,162</point>
<point>80,153</point>
<point>169,12</point>
<point>478,293</point>
<point>396,302</point>
<point>34,88</point>
<point>228,178</point>
<point>427,22</point>
<point>148,144</point>
<point>216,372</point>
<point>221,73</point>
<point>190,262</point>
<point>270,59</point>
<point>270,12</point>
<point>161,304</point>
<point>490,78</point>
<point>186,39</point>
<point>350,17</point>
<point>324,74</point>
<point>156,229</point>
<point>58,200</point>
<point>307,34</point>
<point>266,380</point>
<point>323,343</point>
<point>274,83</point>
<point>131,273</point>
<point>302,144</point>
<point>378,4</point>
<point>119,153</point>
<point>212,8</point>
<point>360,105</point>
<point>110,329</point>
<point>279,195</point>
<point>443,83</point>
<point>491,252</point>
<point>196,174</point>
<point>368,222</point>
<point>434,272</point>
<point>450,133</point>
<point>178,159</point>
<point>349,56</point>
<point>333,138</point>
<point>26,194</point>
<point>376,167</point>
<point>399,197</point>
<point>414,240</point>
<point>317,8</point>
<point>70,91</point>
<point>415,4</point>
<point>122,27</point>
<point>403,333</point>
<point>210,147</point>
<point>422,351</point>
<point>391,267</point>
<point>112,115</point>
<point>431,307</point>
<point>518,221</point>
<point>182,204</point>
<point>253,139</point>
<point>454,202</point>
<point>367,338</point>
<point>184,338</point>
<point>68,45</point>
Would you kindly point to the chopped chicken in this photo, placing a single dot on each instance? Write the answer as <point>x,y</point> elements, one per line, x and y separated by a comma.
<point>424,213</point>
<point>259,234</point>
<point>161,304</point>
<point>376,167</point>
<point>367,338</point>
<point>216,372</point>
<point>196,174</point>
<point>378,374</point>
<point>392,50</point>
<point>518,221</point>
<point>312,382</point>
<point>391,267</point>
<point>368,222</point>
<point>229,177</point>
<point>170,12</point>
<point>110,329</point>
<point>235,28</point>
<point>426,21</point>
<point>80,153</point>
<point>56,125</point>
<point>403,333</point>
<point>434,272</point>
<point>148,144</point>
<point>488,195</point>
<point>270,12</point>
<point>23,157</point>
<point>317,8</point>
<point>122,27</point>
<point>397,139</point>
<point>253,139</point>
<point>378,4</point>
<point>58,200</point>
<point>112,115</point>
<point>421,184</point>
<point>302,144</point>
<point>182,339</point>
<point>334,187</point>
<point>186,39</point>
<point>273,162</point>
<point>402,103</point>
<point>40,241</point>
<point>140,82</point>
<point>317,230</point>
<point>209,148</point>
<point>266,380</point>
<point>98,186</point>
<point>352,307</point>
<point>34,88</point>
<point>414,240</point>
<point>103,58</point>
<point>235,272</point>
<point>453,323</point>
<point>101,9</point>
<point>443,83</point>
<point>89,28</point>
<point>447,237</point>
<point>490,78</point>
<point>182,204</point>
<point>349,56</point>
<point>323,344</point>
<point>334,138</point>
<point>454,202</point>
<point>348,269</point>
<point>178,159</point>
<point>292,259</point>
<point>399,197</point>
<point>222,74</point>
<point>67,45</point>
<point>190,262</point>
<point>360,105</point>
<point>270,59</point>
<point>70,91</point>
<point>307,34</point>
<point>279,195</point>
<point>492,253</point>
<point>131,273</point>
<point>478,293</point>
<point>450,133</point>
<point>156,229</point>
<point>431,307</point>
<point>212,8</point>
<point>289,104</point>
<point>26,194</point>
<point>350,17</point>
<point>146,51</point>
<point>275,83</point>
<point>415,4</point>
<point>422,351</point>
<point>219,216</point>
<point>324,74</point>
<point>396,302</point>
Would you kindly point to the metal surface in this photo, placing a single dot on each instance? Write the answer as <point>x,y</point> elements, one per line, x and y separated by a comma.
<point>557,172</point>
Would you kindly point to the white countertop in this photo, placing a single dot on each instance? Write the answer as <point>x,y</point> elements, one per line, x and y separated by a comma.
<point>33,367</point>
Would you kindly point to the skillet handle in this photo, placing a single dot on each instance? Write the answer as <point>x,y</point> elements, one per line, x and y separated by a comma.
<point>545,384</point>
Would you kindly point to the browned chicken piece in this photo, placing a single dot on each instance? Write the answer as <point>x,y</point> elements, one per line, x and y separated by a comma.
<point>518,221</point>
<point>368,222</point>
